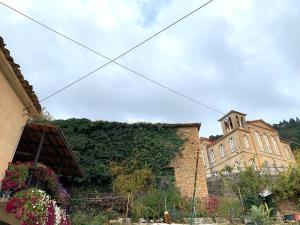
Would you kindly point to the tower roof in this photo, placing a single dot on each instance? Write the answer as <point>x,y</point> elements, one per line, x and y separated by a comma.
<point>232,111</point>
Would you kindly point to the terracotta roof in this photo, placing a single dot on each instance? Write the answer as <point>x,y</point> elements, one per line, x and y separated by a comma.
<point>232,111</point>
<point>16,68</point>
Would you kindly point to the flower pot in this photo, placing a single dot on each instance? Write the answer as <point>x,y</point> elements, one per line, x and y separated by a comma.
<point>297,216</point>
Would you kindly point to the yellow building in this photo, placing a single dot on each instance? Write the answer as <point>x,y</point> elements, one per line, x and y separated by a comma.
<point>16,95</point>
<point>246,143</point>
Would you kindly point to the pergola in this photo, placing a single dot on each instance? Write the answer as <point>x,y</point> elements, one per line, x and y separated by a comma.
<point>47,144</point>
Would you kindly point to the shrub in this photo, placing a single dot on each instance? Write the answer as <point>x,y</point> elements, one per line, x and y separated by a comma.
<point>152,205</point>
<point>261,215</point>
<point>230,208</point>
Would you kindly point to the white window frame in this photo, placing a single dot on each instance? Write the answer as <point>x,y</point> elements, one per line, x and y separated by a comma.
<point>275,145</point>
<point>203,157</point>
<point>267,143</point>
<point>259,142</point>
<point>232,145</point>
<point>212,156</point>
<point>246,141</point>
<point>287,152</point>
<point>222,150</point>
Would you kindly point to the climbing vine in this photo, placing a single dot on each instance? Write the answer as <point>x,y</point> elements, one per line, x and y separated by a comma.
<point>98,143</point>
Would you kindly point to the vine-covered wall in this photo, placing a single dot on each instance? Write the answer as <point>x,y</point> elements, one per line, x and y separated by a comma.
<point>96,143</point>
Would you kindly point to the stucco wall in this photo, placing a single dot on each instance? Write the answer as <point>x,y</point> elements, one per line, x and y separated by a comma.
<point>12,121</point>
<point>185,165</point>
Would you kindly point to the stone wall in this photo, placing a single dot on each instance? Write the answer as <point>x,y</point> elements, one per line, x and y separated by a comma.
<point>185,164</point>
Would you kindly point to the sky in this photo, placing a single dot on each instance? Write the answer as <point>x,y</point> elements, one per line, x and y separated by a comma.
<point>232,54</point>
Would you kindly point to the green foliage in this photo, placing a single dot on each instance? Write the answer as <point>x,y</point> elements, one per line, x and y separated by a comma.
<point>151,146</point>
<point>289,130</point>
<point>152,205</point>
<point>133,183</point>
<point>250,183</point>
<point>230,208</point>
<point>261,215</point>
<point>286,185</point>
<point>81,218</point>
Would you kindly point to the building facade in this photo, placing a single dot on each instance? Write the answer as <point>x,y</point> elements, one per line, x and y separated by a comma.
<point>245,144</point>
<point>16,95</point>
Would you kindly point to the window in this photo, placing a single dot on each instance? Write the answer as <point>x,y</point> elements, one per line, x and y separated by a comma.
<point>242,122</point>
<point>266,139</point>
<point>212,156</point>
<point>203,158</point>
<point>287,152</point>
<point>275,145</point>
<point>232,145</point>
<point>222,152</point>
<point>258,140</point>
<point>246,141</point>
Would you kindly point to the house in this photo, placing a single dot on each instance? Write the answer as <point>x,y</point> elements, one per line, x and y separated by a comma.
<point>246,143</point>
<point>22,140</point>
<point>18,103</point>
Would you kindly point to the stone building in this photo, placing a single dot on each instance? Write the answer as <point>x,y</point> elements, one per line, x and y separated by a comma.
<point>18,103</point>
<point>186,164</point>
<point>246,143</point>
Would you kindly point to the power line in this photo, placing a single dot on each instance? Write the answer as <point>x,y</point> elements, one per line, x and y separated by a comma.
<point>114,60</point>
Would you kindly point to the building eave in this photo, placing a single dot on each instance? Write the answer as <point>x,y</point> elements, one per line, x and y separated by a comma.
<point>13,74</point>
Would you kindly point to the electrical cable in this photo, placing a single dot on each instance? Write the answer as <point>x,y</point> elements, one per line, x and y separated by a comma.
<point>114,60</point>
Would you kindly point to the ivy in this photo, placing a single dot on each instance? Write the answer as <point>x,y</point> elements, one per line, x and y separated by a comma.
<point>97,143</point>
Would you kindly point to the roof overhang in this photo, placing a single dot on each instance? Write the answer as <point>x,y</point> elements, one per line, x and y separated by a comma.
<point>22,88</point>
<point>55,153</point>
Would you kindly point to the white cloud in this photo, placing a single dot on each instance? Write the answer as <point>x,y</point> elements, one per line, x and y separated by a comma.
<point>232,54</point>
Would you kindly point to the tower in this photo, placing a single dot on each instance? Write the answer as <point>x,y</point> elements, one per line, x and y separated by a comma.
<point>233,120</point>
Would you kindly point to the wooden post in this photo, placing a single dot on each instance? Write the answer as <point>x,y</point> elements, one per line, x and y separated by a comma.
<point>29,183</point>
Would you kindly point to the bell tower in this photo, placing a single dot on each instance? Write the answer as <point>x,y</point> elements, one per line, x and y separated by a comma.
<point>232,121</point>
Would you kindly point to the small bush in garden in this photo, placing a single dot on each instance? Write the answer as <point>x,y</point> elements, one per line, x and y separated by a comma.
<point>153,205</point>
<point>230,208</point>
<point>212,206</point>
<point>261,215</point>
<point>91,218</point>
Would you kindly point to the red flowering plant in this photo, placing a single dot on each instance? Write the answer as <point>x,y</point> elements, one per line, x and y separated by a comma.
<point>212,205</point>
<point>33,206</point>
<point>44,178</point>
<point>15,177</point>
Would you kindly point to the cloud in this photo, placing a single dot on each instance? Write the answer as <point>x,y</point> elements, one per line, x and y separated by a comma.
<point>232,54</point>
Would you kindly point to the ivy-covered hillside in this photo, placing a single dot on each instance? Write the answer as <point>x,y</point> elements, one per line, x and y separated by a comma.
<point>140,145</point>
<point>290,130</point>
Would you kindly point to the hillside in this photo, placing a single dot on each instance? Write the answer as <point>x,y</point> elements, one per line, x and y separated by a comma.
<point>290,130</point>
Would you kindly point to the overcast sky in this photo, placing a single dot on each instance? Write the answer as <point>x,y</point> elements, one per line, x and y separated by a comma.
<point>232,54</point>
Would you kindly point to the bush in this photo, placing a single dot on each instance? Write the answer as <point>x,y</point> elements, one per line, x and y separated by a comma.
<point>249,184</point>
<point>287,184</point>
<point>153,204</point>
<point>88,219</point>
<point>230,208</point>
<point>261,215</point>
